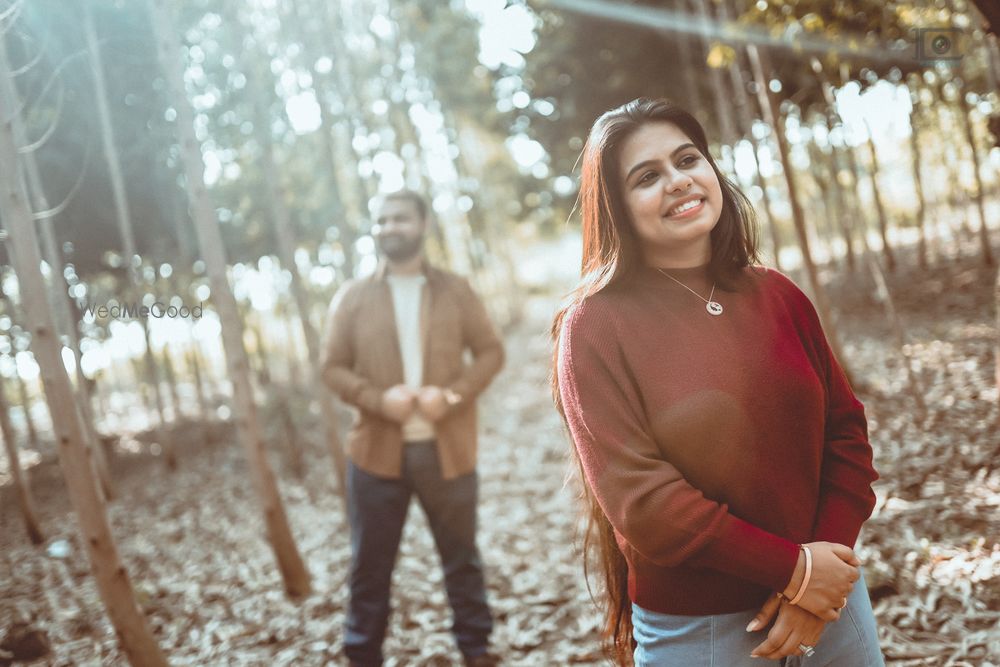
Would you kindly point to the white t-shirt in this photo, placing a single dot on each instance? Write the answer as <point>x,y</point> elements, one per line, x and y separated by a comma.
<point>407,292</point>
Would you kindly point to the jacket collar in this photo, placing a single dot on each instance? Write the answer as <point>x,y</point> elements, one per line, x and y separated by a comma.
<point>382,270</point>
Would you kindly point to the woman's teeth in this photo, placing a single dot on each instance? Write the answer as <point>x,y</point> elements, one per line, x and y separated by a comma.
<point>684,207</point>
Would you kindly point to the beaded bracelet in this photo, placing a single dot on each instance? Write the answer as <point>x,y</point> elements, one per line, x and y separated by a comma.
<point>805,579</point>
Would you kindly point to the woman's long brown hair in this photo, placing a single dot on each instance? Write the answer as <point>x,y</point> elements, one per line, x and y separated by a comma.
<point>611,254</point>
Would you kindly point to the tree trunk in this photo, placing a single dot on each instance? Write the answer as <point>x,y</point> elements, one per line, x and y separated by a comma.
<point>259,358</point>
<point>171,378</point>
<point>830,211</point>
<point>333,149</point>
<point>838,192</point>
<point>915,386</point>
<point>993,43</point>
<point>294,365</point>
<point>878,275</point>
<point>843,210</point>
<point>22,389</point>
<point>996,293</point>
<point>22,488</point>
<point>957,195</point>
<point>65,316</point>
<point>108,144</point>
<point>772,226</point>
<point>883,223</point>
<point>723,106</point>
<point>798,217</point>
<point>745,127</point>
<point>293,571</point>
<point>204,410</point>
<point>917,181</point>
<point>357,108</point>
<point>152,376</point>
<point>113,583</point>
<point>29,421</point>
<point>970,136</point>
<point>688,45</point>
<point>63,307</point>
<point>285,234</point>
<point>124,219</point>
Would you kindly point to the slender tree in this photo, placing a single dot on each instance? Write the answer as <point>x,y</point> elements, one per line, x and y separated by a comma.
<point>883,221</point>
<point>824,182</point>
<point>204,412</point>
<point>65,318</point>
<point>29,421</point>
<point>798,217</point>
<point>970,136</point>
<point>293,570</point>
<point>284,232</point>
<point>723,105</point>
<point>124,220</point>
<point>993,45</point>
<point>918,183</point>
<point>333,149</point>
<point>838,192</point>
<point>22,486</point>
<point>915,386</point>
<point>745,120</point>
<point>112,580</point>
<point>171,377</point>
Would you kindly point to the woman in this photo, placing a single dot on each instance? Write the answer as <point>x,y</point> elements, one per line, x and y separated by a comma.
<point>726,461</point>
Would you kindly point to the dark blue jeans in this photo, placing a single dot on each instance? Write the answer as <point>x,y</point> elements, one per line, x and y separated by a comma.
<point>377,511</point>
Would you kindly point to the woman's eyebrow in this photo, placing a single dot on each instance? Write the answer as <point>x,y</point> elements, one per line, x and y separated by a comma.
<point>649,162</point>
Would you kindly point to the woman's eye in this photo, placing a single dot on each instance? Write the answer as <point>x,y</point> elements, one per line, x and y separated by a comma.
<point>687,161</point>
<point>648,177</point>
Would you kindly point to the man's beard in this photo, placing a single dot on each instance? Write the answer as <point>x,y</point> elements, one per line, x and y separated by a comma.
<point>400,248</point>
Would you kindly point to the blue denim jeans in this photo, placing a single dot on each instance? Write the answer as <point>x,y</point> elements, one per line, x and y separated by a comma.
<point>721,640</point>
<point>377,510</point>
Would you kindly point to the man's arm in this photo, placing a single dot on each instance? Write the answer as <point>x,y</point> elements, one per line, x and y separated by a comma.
<point>337,354</point>
<point>479,336</point>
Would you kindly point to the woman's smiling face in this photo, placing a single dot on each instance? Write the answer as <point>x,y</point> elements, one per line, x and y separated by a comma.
<point>672,195</point>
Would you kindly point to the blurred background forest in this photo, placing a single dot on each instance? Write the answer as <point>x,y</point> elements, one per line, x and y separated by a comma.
<point>171,485</point>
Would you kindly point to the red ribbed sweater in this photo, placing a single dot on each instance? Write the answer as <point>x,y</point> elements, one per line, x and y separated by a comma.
<point>714,445</point>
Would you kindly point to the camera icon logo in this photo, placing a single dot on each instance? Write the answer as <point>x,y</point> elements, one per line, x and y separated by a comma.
<point>940,44</point>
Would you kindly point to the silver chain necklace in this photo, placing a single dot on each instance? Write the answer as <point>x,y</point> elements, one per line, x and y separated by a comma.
<point>713,307</point>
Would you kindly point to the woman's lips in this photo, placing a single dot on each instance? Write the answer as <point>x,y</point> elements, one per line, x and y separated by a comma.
<point>689,212</point>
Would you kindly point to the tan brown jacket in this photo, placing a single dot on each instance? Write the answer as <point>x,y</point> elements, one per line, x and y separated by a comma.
<point>361,358</point>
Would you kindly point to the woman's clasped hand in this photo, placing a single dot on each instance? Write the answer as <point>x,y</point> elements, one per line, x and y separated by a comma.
<point>833,571</point>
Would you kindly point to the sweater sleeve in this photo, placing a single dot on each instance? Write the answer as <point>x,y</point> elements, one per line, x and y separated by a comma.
<point>480,337</point>
<point>846,498</point>
<point>336,361</point>
<point>646,499</point>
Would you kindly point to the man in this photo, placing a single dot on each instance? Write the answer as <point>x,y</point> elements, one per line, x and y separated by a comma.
<point>393,348</point>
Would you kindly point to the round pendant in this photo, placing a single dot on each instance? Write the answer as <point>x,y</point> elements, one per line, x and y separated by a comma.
<point>714,307</point>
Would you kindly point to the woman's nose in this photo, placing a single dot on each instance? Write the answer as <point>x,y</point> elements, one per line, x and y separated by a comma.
<point>678,182</point>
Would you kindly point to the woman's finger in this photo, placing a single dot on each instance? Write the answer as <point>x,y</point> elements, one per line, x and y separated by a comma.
<point>829,614</point>
<point>765,615</point>
<point>846,554</point>
<point>775,638</point>
<point>790,647</point>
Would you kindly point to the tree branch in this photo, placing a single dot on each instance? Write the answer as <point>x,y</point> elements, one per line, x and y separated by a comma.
<point>56,210</point>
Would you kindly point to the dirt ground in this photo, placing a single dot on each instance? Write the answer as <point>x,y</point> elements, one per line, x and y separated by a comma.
<point>193,540</point>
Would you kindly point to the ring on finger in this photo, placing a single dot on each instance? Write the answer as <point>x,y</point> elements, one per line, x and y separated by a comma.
<point>806,649</point>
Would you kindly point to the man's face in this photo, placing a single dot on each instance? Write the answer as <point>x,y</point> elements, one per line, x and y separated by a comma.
<point>399,229</point>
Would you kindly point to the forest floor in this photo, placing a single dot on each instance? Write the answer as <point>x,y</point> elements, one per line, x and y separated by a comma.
<point>193,542</point>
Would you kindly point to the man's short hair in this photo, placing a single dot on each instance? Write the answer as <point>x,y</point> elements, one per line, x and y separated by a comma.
<point>411,196</point>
